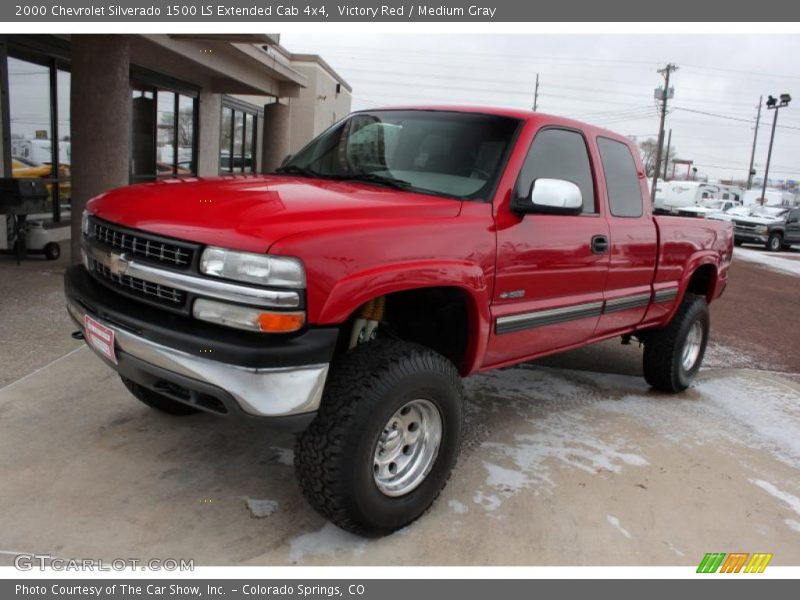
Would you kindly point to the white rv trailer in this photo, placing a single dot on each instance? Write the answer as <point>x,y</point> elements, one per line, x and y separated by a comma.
<point>671,196</point>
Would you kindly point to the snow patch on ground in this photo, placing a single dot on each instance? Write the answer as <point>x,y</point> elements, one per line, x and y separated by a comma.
<point>457,507</point>
<point>489,502</point>
<point>771,260</point>
<point>672,547</point>
<point>788,499</point>
<point>328,541</point>
<point>762,411</point>
<point>718,356</point>
<point>261,509</point>
<point>614,522</point>
<point>554,420</point>
<point>508,480</point>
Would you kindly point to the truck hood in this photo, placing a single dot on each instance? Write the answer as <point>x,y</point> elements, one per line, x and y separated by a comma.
<point>756,220</point>
<point>252,213</point>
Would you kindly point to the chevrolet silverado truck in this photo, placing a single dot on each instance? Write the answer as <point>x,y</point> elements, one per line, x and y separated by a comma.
<point>775,227</point>
<point>346,295</point>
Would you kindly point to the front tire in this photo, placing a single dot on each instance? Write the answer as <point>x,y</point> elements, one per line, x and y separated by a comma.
<point>775,242</point>
<point>673,354</point>
<point>158,401</point>
<point>386,437</point>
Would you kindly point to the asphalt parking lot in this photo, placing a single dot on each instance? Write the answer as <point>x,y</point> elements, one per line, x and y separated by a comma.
<point>569,461</point>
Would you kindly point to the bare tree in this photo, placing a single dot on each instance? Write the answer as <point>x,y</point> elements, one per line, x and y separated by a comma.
<point>648,149</point>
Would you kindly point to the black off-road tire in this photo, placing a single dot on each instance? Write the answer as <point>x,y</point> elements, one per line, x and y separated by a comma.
<point>663,348</point>
<point>775,242</point>
<point>157,401</point>
<point>334,456</point>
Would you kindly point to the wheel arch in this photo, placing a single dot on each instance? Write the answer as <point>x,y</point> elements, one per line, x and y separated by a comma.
<point>461,287</point>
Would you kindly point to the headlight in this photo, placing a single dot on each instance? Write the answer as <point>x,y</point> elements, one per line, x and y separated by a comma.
<point>245,317</point>
<point>762,230</point>
<point>261,269</point>
<point>85,222</point>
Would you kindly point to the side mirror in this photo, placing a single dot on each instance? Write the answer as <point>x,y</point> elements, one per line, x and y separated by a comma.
<point>286,159</point>
<point>551,196</point>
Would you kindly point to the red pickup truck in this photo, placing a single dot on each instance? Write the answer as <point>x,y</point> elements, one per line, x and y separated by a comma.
<point>344,296</point>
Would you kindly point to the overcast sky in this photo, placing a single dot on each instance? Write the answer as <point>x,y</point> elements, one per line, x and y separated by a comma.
<point>607,80</point>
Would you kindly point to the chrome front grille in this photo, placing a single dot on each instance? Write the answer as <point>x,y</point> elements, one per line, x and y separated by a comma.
<point>142,246</point>
<point>140,287</point>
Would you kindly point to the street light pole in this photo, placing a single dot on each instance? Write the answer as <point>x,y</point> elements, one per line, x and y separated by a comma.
<point>773,104</point>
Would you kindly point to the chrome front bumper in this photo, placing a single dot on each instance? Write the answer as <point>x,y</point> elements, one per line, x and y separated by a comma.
<point>280,392</point>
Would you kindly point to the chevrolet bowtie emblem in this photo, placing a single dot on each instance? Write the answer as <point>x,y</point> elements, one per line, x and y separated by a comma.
<point>117,263</point>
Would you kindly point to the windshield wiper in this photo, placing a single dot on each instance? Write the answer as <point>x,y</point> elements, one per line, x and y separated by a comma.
<point>296,170</point>
<point>392,182</point>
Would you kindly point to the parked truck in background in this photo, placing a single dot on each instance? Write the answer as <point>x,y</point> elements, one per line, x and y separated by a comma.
<point>346,295</point>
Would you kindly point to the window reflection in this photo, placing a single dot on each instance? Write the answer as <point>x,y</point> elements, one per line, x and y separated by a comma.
<point>237,141</point>
<point>165,145</point>
<point>163,132</point>
<point>33,132</point>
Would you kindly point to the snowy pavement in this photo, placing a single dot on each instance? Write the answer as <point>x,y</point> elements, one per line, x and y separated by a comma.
<point>558,467</point>
<point>782,262</point>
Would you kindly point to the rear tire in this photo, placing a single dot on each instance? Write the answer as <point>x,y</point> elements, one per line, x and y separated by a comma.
<point>673,354</point>
<point>359,463</point>
<point>157,401</point>
<point>775,242</point>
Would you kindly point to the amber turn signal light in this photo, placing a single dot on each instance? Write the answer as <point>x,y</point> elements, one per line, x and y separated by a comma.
<point>281,322</point>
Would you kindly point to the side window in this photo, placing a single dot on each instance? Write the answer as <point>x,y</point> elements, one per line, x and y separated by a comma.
<point>559,154</point>
<point>622,180</point>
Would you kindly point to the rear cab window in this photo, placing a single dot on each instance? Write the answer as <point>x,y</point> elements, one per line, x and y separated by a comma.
<point>622,179</point>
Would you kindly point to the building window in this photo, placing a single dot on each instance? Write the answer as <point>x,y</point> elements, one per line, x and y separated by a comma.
<point>39,127</point>
<point>164,133</point>
<point>237,139</point>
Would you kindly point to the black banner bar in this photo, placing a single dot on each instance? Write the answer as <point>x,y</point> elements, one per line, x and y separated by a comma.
<point>705,586</point>
<point>281,11</point>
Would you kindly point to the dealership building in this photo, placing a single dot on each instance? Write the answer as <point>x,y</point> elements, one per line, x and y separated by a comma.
<point>92,112</point>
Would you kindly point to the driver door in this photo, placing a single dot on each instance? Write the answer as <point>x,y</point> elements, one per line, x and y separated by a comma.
<point>551,269</point>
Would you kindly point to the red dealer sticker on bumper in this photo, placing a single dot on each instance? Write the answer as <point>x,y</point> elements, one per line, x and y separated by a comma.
<point>99,337</point>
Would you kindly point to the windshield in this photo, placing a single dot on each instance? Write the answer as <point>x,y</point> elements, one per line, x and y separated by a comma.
<point>446,153</point>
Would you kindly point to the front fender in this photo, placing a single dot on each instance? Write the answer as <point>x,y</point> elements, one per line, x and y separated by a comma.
<point>353,291</point>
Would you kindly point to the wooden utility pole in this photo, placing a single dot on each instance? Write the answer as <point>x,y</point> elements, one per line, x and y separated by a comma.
<point>755,139</point>
<point>665,72</point>
<point>666,158</point>
<point>536,94</point>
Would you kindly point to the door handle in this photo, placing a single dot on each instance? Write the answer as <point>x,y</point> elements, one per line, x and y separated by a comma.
<point>599,244</point>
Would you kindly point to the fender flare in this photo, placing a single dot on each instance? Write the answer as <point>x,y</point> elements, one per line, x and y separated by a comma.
<point>696,260</point>
<point>358,288</point>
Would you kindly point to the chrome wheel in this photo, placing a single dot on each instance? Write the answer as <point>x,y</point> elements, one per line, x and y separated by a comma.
<point>692,345</point>
<point>407,448</point>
